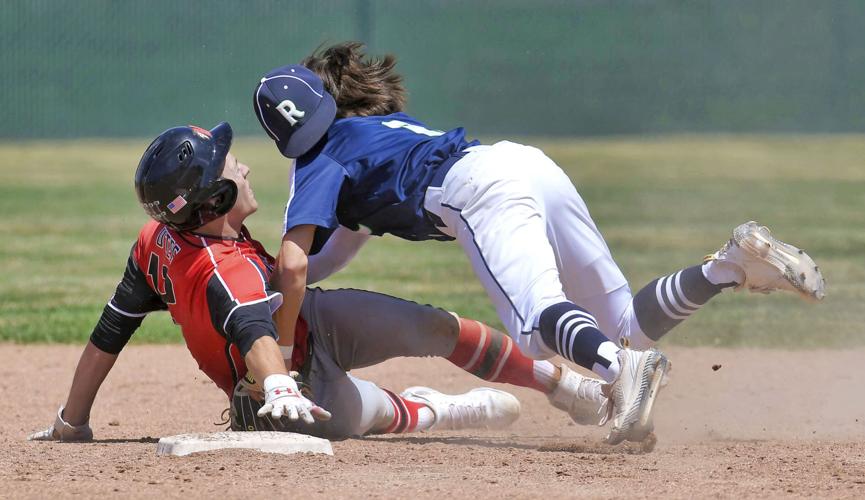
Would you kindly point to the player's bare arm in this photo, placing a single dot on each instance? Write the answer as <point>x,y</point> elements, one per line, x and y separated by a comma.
<point>289,278</point>
<point>73,418</point>
<point>91,371</point>
<point>336,253</point>
<point>133,299</point>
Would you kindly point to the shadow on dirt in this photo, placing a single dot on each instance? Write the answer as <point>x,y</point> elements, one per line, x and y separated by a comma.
<point>146,439</point>
<point>588,446</point>
<point>452,441</point>
<point>596,448</point>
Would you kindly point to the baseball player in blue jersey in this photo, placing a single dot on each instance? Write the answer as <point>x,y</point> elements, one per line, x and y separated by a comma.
<point>364,168</point>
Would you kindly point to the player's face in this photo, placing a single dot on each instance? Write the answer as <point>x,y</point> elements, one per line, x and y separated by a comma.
<point>236,171</point>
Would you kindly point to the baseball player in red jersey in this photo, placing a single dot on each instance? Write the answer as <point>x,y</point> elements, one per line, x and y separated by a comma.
<point>198,261</point>
<point>232,273</point>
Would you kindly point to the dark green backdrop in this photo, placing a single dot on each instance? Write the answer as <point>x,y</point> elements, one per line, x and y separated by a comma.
<point>531,67</point>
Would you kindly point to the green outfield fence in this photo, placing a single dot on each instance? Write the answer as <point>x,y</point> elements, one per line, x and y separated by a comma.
<point>530,67</point>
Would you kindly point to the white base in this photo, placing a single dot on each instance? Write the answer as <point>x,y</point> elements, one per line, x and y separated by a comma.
<point>269,442</point>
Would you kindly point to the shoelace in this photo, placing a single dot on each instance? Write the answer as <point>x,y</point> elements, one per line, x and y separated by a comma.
<point>590,389</point>
<point>465,415</point>
<point>606,411</point>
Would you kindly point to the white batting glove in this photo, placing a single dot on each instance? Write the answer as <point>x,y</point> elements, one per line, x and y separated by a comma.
<point>282,398</point>
<point>63,431</point>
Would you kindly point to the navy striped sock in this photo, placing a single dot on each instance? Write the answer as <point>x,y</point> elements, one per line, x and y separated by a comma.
<point>667,301</point>
<point>573,333</point>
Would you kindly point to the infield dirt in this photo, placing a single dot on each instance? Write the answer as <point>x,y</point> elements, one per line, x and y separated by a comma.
<point>761,423</point>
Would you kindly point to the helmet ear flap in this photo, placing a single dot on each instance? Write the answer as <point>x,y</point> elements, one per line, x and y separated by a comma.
<point>224,196</point>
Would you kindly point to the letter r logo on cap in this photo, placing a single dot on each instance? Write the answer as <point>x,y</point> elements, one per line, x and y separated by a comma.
<point>290,112</point>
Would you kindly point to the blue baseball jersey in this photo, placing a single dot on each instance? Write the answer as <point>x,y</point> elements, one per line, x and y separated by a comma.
<point>371,172</point>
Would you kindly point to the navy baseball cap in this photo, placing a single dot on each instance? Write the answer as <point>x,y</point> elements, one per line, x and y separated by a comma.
<point>294,109</point>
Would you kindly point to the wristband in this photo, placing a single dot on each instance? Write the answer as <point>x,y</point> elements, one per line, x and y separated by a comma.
<point>286,351</point>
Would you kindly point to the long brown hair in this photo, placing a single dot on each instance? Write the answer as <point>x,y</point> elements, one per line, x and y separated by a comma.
<point>361,85</point>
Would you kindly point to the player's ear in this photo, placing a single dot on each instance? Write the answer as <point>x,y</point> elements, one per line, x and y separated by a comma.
<point>224,196</point>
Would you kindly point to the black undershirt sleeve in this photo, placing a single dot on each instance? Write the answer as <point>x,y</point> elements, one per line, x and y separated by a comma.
<point>123,314</point>
<point>319,238</point>
<point>240,325</point>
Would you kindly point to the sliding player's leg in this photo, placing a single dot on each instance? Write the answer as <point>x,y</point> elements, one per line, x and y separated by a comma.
<point>366,328</point>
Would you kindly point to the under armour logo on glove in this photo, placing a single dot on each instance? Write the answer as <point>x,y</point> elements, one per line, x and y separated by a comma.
<point>281,397</point>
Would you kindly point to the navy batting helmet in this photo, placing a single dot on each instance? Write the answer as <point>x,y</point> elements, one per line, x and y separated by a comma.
<point>179,179</point>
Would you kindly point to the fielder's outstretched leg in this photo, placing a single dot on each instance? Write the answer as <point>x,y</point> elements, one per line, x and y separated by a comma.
<point>667,301</point>
<point>751,260</point>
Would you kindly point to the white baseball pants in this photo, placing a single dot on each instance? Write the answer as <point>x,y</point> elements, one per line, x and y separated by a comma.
<point>530,239</point>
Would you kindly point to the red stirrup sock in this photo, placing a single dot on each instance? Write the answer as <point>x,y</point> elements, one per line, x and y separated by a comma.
<point>491,355</point>
<point>408,416</point>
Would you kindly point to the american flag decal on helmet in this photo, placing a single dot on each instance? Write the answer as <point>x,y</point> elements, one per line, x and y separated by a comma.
<point>176,204</point>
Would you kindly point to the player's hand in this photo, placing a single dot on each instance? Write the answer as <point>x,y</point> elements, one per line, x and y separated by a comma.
<point>63,431</point>
<point>282,398</point>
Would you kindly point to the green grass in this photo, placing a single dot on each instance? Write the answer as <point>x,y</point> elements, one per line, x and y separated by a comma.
<point>69,216</point>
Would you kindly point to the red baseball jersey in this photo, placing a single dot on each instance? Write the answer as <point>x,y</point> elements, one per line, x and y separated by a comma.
<point>216,290</point>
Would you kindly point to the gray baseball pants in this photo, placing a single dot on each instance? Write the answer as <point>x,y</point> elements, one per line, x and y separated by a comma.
<point>353,329</point>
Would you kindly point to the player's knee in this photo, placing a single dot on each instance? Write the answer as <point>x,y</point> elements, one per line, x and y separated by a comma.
<point>448,328</point>
<point>439,329</point>
<point>444,323</point>
<point>536,347</point>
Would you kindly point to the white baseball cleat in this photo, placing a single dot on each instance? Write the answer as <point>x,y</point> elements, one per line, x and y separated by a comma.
<point>632,394</point>
<point>770,264</point>
<point>481,408</point>
<point>579,396</point>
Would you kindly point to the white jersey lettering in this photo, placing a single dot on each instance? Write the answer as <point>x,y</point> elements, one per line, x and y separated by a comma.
<point>417,129</point>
